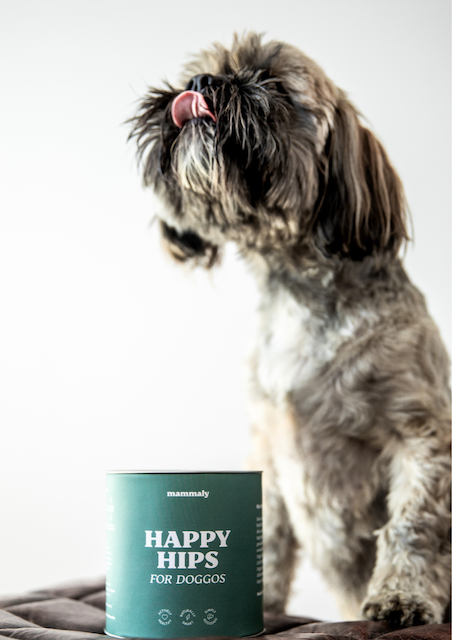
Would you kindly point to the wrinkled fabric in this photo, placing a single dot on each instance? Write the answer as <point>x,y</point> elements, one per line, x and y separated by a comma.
<point>75,611</point>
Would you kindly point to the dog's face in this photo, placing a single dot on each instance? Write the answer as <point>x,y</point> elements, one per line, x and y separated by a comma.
<point>260,147</point>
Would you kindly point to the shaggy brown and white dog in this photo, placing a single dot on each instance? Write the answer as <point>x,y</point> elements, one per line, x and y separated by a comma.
<point>349,379</point>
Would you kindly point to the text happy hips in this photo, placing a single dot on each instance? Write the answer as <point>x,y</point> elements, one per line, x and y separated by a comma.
<point>185,540</point>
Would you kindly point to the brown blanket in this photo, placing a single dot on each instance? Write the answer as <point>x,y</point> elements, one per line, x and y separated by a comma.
<point>75,611</point>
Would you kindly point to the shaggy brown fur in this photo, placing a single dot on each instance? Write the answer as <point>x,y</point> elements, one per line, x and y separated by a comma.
<point>349,378</point>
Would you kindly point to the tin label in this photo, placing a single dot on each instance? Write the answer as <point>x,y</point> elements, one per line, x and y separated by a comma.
<point>184,554</point>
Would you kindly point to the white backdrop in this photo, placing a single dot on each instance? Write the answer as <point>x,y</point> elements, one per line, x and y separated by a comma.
<point>110,356</point>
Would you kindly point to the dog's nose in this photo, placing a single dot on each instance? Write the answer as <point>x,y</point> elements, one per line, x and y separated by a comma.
<point>199,82</point>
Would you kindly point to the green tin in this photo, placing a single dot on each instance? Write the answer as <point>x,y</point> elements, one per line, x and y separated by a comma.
<point>184,554</point>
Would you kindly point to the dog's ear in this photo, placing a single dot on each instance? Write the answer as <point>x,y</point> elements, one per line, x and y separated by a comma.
<point>188,246</point>
<point>361,208</point>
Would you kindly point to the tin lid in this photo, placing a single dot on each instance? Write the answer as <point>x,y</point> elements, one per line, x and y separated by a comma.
<point>163,472</point>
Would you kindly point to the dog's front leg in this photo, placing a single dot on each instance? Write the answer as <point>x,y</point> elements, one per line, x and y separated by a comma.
<point>280,545</point>
<point>410,582</point>
<point>280,548</point>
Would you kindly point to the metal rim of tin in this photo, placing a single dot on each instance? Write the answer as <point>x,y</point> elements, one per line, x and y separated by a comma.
<point>253,635</point>
<point>164,472</point>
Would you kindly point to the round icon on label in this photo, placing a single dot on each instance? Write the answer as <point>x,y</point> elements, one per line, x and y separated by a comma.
<point>165,616</point>
<point>188,617</point>
<point>210,617</point>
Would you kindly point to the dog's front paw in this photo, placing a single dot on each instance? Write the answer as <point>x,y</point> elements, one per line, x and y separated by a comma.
<point>401,609</point>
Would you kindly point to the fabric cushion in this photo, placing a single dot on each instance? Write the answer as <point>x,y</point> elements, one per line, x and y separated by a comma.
<point>75,611</point>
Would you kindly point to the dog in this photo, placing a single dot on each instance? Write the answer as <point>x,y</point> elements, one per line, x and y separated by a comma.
<point>349,378</point>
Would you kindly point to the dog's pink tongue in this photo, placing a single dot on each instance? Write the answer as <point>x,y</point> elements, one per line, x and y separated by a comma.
<point>189,105</point>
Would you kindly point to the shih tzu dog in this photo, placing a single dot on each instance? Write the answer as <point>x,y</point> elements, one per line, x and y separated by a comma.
<point>349,391</point>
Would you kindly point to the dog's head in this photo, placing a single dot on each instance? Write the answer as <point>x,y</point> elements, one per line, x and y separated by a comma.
<point>260,147</point>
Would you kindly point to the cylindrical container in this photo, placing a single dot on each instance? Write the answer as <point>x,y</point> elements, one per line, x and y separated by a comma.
<point>184,554</point>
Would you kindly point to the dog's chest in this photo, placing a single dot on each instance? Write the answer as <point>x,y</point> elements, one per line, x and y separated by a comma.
<point>294,344</point>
